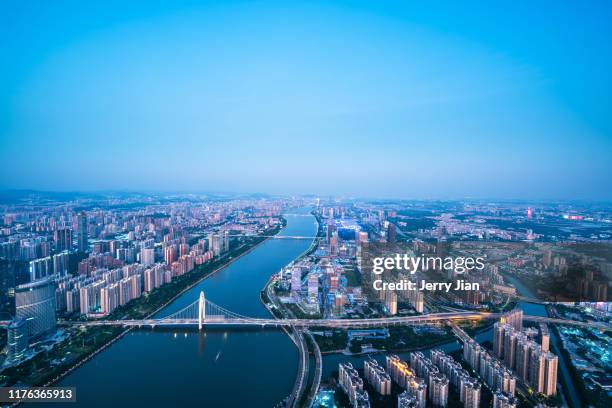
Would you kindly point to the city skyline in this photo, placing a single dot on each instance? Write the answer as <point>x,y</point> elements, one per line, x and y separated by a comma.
<point>388,100</point>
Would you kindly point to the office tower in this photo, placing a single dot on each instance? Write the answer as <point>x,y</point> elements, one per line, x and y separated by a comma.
<point>63,239</point>
<point>501,400</point>
<point>405,400</point>
<point>35,302</point>
<point>391,233</point>
<point>352,385</point>
<point>82,233</point>
<point>12,273</point>
<point>17,340</point>
<point>377,376</point>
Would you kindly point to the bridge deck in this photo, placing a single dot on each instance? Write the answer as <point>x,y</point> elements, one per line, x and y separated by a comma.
<point>330,323</point>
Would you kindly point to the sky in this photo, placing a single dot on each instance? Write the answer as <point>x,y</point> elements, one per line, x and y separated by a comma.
<point>372,99</point>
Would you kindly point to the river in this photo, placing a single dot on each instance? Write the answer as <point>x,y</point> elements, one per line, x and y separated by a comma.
<point>157,368</point>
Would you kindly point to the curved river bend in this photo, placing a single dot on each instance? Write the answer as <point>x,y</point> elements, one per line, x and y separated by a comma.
<point>254,368</point>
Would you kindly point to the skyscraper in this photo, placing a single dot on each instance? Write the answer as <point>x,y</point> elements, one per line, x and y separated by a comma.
<point>35,303</point>
<point>82,233</point>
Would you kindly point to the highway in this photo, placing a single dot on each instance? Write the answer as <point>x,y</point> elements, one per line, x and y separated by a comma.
<point>302,376</point>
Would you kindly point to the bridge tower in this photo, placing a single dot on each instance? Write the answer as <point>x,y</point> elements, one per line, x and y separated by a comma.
<point>201,310</point>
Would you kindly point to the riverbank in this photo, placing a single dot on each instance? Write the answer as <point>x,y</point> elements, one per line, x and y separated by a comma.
<point>41,371</point>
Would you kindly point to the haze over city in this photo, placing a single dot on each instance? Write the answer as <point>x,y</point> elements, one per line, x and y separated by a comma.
<point>359,99</point>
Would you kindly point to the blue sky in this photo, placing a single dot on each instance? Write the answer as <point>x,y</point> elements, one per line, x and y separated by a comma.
<point>412,100</point>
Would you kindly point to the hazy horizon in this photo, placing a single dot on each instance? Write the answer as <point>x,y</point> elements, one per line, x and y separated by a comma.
<point>358,99</point>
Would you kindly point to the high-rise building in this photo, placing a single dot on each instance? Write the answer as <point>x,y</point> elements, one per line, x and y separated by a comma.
<point>333,244</point>
<point>296,279</point>
<point>62,238</point>
<point>544,337</point>
<point>377,376</point>
<point>550,377</point>
<point>60,263</point>
<point>41,268</point>
<point>510,343</point>
<point>498,339</point>
<point>514,318</point>
<point>469,392</point>
<point>352,385</point>
<point>391,233</point>
<point>35,303</point>
<point>313,286</point>
<point>147,256</point>
<point>170,254</point>
<point>537,365</point>
<point>406,378</point>
<point>82,233</point>
<point>523,351</point>
<point>391,302</point>
<point>226,241</point>
<point>214,244</point>
<point>17,340</point>
<point>438,389</point>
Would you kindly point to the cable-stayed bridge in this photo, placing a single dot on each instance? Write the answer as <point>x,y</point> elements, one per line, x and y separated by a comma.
<point>203,312</point>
